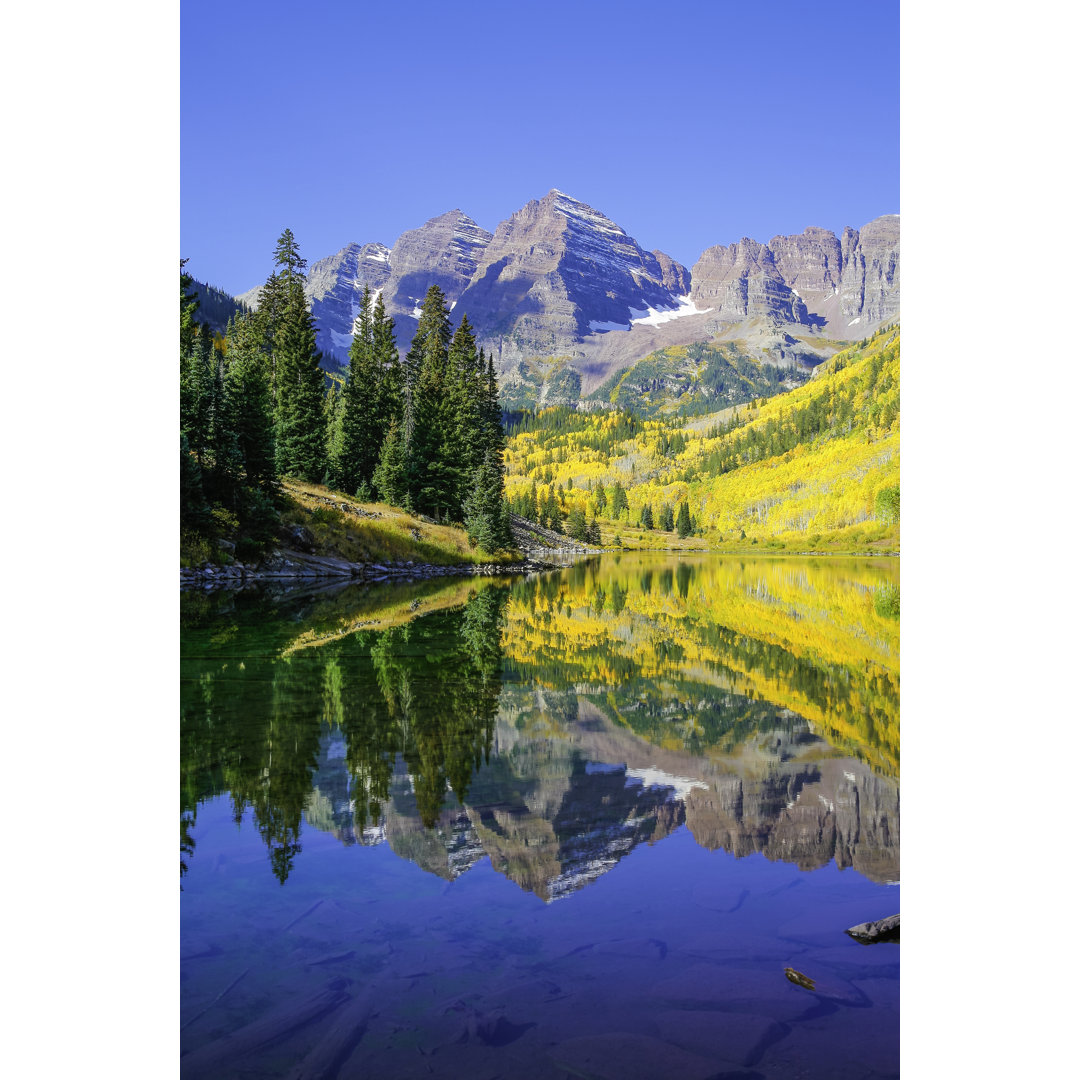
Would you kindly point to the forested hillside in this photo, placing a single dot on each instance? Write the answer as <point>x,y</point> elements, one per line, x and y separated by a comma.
<point>816,466</point>
<point>691,380</point>
<point>216,306</point>
<point>423,433</point>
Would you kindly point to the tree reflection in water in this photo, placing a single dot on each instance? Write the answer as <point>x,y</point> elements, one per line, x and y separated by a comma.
<point>427,690</point>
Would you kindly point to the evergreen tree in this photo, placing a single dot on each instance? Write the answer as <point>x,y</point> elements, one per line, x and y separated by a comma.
<point>276,296</point>
<point>465,432</point>
<point>189,304</point>
<point>486,520</point>
<point>576,525</point>
<point>495,436</point>
<point>300,418</point>
<point>362,430</point>
<point>390,478</point>
<point>222,480</point>
<point>619,502</point>
<point>196,394</point>
<point>667,518</point>
<point>682,523</point>
<point>334,406</point>
<point>252,421</point>
<point>388,364</point>
<point>432,463</point>
<point>194,511</point>
<point>646,516</point>
<point>431,341</point>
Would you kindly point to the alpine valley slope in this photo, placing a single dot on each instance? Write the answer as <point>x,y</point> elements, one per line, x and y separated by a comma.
<point>817,467</point>
<point>566,300</point>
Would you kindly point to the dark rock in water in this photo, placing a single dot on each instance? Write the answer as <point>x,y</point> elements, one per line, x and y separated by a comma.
<point>799,979</point>
<point>838,991</point>
<point>870,933</point>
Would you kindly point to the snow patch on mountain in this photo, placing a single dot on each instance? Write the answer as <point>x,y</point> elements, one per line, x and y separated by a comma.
<point>655,316</point>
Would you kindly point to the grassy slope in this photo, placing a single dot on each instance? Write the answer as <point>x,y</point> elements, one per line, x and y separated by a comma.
<point>392,535</point>
<point>820,495</point>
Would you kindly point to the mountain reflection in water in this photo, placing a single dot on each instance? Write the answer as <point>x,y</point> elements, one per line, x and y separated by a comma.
<point>555,723</point>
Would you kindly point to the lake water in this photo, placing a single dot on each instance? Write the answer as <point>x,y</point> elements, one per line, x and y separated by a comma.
<point>577,825</point>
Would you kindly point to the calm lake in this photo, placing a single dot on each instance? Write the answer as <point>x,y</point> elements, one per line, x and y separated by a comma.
<point>576,825</point>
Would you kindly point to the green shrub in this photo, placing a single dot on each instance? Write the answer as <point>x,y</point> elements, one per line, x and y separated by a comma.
<point>225,522</point>
<point>195,550</point>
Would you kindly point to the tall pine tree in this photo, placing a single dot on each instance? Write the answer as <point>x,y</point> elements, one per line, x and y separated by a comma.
<point>300,419</point>
<point>358,452</point>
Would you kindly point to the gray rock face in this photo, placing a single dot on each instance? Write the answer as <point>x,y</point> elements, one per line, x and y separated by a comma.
<point>558,270</point>
<point>810,264</point>
<point>870,289</point>
<point>335,286</point>
<point>742,281</point>
<point>846,286</point>
<point>445,251</point>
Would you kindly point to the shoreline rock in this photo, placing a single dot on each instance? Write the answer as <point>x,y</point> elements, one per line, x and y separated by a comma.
<point>290,564</point>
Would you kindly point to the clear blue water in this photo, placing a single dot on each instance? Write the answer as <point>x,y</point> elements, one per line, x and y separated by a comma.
<point>409,851</point>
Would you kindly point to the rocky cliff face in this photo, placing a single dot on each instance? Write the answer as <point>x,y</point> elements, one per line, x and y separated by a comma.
<point>444,251</point>
<point>558,270</point>
<point>844,287</point>
<point>870,288</point>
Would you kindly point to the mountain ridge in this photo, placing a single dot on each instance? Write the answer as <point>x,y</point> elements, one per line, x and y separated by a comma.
<point>560,281</point>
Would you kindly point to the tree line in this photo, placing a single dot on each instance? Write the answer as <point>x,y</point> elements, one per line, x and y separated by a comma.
<point>424,434</point>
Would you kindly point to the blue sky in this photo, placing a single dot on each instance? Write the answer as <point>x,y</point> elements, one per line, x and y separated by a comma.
<point>689,124</point>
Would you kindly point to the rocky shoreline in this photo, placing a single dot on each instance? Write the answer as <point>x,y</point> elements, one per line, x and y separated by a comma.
<point>291,565</point>
<point>541,548</point>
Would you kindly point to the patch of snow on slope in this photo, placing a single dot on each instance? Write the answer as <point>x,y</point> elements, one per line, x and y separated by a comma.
<point>342,341</point>
<point>656,316</point>
<point>601,327</point>
<point>417,312</point>
<point>858,318</point>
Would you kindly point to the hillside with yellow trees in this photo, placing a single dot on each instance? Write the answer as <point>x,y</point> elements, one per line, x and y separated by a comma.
<point>814,468</point>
